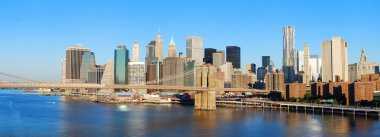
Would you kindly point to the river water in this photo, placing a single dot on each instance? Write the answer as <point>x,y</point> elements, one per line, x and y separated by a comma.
<point>51,116</point>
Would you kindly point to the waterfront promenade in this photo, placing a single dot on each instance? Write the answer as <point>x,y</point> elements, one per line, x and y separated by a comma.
<point>304,107</point>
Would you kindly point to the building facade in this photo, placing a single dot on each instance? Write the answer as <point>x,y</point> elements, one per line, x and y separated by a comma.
<point>218,59</point>
<point>334,60</point>
<point>233,56</point>
<point>172,49</point>
<point>355,71</point>
<point>74,55</point>
<point>194,49</point>
<point>208,55</point>
<point>121,58</point>
<point>88,63</point>
<point>228,71</point>
<point>275,81</point>
<point>261,72</point>
<point>250,68</point>
<point>158,49</point>
<point>315,67</point>
<point>136,75</point>
<point>306,68</point>
<point>136,52</point>
<point>265,61</point>
<point>290,54</point>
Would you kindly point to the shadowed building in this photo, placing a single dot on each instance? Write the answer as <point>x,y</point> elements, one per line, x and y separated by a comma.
<point>233,55</point>
<point>74,55</point>
<point>295,90</point>
<point>208,55</point>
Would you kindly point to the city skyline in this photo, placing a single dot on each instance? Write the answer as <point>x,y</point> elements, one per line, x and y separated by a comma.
<point>43,43</point>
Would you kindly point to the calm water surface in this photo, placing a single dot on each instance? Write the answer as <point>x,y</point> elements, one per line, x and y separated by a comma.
<point>50,116</point>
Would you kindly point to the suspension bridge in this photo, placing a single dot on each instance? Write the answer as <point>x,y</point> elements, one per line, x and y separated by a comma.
<point>205,86</point>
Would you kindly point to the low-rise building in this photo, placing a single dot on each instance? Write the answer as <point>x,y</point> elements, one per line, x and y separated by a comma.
<point>295,90</point>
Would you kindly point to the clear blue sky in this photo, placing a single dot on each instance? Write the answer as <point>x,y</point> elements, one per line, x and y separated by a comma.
<point>35,33</point>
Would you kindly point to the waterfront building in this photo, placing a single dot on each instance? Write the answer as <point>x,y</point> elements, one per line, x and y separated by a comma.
<point>265,61</point>
<point>194,49</point>
<point>158,49</point>
<point>261,72</point>
<point>233,56</point>
<point>136,75</point>
<point>334,60</point>
<point>121,65</point>
<point>74,55</point>
<point>88,63</point>
<point>315,67</point>
<point>208,55</point>
<point>356,70</point>
<point>345,92</point>
<point>218,58</point>
<point>275,81</point>
<point>290,55</point>
<point>136,52</point>
<point>172,49</point>
<point>295,90</point>
<point>228,70</point>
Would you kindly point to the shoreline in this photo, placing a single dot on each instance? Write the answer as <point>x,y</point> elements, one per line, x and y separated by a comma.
<point>290,106</point>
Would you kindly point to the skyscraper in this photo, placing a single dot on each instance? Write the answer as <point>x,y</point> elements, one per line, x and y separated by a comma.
<point>306,65</point>
<point>194,49</point>
<point>136,52</point>
<point>208,55</point>
<point>136,75</point>
<point>150,57</point>
<point>334,60</point>
<point>63,77</point>
<point>290,55</point>
<point>121,65</point>
<point>158,48</point>
<point>172,49</point>
<point>233,56</point>
<point>88,63</point>
<point>74,55</point>
<point>265,61</point>
<point>218,58</point>
<point>315,65</point>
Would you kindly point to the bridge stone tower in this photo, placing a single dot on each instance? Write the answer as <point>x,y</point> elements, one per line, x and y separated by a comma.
<point>205,77</point>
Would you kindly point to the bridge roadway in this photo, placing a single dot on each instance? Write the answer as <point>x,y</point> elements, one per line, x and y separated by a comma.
<point>100,86</point>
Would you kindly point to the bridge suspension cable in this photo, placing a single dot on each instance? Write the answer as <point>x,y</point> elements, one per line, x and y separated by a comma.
<point>20,78</point>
